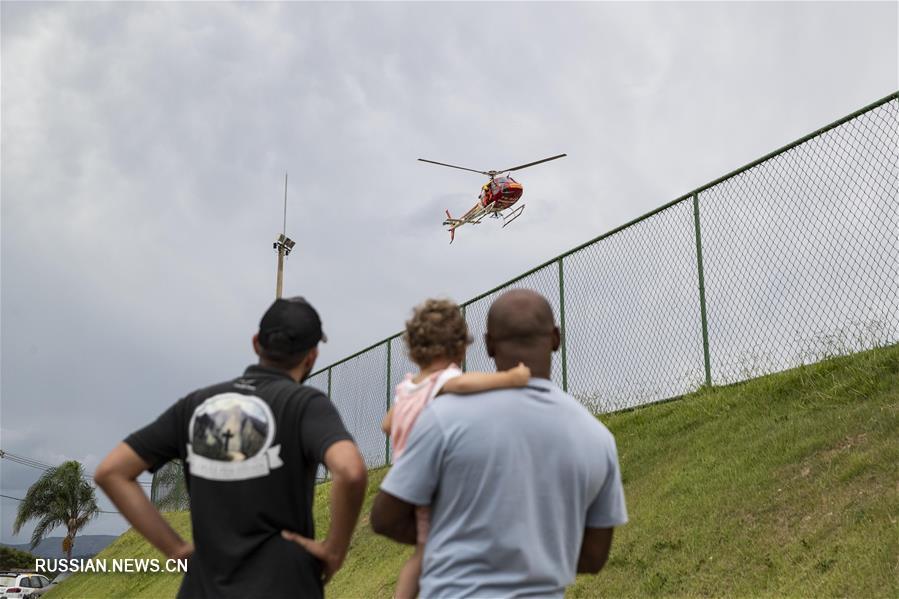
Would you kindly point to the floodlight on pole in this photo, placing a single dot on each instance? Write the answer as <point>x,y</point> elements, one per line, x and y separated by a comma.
<point>283,245</point>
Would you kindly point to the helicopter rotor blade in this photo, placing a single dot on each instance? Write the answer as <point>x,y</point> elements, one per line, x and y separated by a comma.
<point>458,167</point>
<point>521,166</point>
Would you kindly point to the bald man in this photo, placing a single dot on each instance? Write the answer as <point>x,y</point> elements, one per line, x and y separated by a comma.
<point>524,484</point>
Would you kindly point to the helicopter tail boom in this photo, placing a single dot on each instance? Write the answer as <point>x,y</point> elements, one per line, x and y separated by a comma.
<point>454,223</point>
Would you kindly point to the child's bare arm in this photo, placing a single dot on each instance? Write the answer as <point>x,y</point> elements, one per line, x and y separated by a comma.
<point>474,382</point>
<point>385,424</point>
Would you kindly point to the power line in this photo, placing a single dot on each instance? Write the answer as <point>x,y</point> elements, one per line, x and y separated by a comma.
<point>32,463</point>
<point>20,500</point>
<point>38,465</point>
<point>24,461</point>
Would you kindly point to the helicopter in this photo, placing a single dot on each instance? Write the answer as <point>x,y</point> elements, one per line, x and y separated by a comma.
<point>496,199</point>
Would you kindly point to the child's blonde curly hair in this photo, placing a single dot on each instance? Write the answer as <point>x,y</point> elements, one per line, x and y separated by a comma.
<point>436,330</point>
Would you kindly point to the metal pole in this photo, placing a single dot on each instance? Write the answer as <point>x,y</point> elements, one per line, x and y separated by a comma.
<point>462,365</point>
<point>562,326</point>
<point>279,284</point>
<point>327,473</point>
<point>702,310</point>
<point>387,437</point>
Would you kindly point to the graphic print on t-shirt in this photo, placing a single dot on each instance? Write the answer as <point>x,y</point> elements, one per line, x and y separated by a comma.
<point>230,438</point>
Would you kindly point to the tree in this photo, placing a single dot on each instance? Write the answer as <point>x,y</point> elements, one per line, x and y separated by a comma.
<point>60,497</point>
<point>14,559</point>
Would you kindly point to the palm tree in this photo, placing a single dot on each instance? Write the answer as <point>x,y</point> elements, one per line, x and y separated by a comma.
<point>60,497</point>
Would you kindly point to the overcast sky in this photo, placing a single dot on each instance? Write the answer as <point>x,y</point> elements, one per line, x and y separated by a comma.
<point>144,148</point>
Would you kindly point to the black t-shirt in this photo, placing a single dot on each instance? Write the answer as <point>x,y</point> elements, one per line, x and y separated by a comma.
<point>251,448</point>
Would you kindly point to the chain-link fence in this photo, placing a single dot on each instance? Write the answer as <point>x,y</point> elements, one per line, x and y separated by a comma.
<point>168,491</point>
<point>785,261</point>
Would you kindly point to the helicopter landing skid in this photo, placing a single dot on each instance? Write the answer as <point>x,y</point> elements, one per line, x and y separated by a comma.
<point>508,218</point>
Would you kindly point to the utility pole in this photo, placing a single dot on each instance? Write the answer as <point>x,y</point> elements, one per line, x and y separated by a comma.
<point>282,245</point>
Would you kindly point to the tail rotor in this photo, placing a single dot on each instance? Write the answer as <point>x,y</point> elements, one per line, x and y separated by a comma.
<point>452,230</point>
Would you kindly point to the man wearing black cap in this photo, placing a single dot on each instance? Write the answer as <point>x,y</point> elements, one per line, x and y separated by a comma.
<point>251,447</point>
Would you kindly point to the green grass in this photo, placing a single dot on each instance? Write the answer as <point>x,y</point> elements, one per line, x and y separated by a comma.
<point>144,585</point>
<point>786,485</point>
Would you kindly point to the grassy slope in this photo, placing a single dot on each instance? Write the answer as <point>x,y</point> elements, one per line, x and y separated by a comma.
<point>130,585</point>
<point>786,485</point>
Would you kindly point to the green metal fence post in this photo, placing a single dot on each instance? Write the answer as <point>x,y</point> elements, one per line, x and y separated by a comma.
<point>387,437</point>
<point>462,307</point>
<point>702,311</point>
<point>562,326</point>
<point>327,473</point>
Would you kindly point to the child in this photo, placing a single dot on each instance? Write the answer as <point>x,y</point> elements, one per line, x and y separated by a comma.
<point>436,337</point>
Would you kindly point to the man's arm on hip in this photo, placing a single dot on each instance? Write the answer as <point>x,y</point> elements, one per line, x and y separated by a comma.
<point>117,476</point>
<point>349,479</point>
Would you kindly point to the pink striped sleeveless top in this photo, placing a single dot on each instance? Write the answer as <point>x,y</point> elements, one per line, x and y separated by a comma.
<point>411,398</point>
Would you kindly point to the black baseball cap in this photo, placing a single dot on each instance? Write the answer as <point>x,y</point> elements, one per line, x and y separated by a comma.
<point>290,326</point>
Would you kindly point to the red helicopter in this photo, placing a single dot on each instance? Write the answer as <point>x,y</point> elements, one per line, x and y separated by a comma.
<point>497,195</point>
